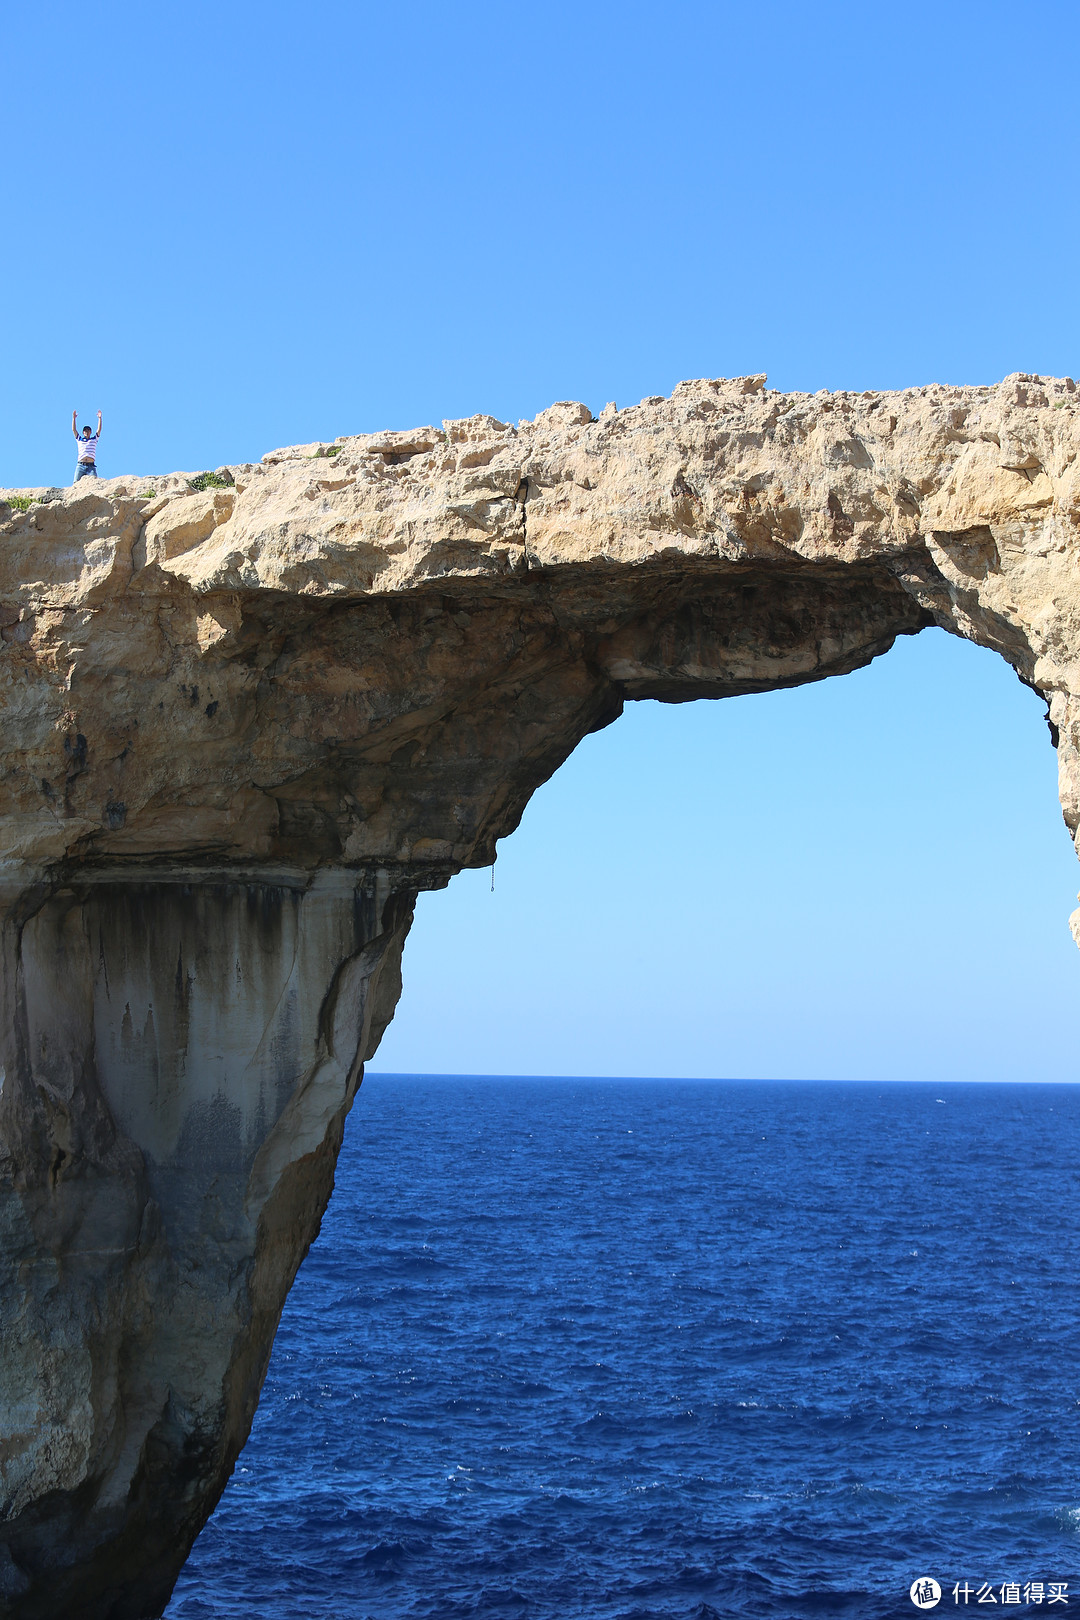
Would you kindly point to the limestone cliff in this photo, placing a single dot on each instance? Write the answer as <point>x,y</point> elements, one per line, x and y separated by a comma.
<point>245,723</point>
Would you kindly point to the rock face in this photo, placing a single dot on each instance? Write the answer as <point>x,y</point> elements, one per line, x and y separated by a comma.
<point>244,724</point>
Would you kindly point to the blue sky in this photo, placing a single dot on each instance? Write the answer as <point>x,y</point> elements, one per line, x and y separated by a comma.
<point>233,227</point>
<point>867,878</point>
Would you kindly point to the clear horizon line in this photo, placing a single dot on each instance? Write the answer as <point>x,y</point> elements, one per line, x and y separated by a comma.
<point>705,1079</point>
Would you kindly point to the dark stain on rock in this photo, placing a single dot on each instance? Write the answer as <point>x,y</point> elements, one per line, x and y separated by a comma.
<point>841,522</point>
<point>76,749</point>
<point>56,1166</point>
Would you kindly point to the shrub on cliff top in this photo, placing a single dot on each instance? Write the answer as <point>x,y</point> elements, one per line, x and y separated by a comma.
<point>209,480</point>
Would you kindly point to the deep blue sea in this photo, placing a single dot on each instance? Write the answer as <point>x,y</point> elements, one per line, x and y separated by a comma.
<point>631,1349</point>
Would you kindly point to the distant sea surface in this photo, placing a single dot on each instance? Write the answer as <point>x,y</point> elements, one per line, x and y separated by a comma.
<point>632,1349</point>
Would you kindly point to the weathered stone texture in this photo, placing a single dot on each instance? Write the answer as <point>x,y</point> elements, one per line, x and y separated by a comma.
<point>244,725</point>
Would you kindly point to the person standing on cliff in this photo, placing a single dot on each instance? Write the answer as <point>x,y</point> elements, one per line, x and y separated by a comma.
<point>86,466</point>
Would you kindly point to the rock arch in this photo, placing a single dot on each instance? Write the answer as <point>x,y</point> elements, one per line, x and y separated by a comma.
<point>248,716</point>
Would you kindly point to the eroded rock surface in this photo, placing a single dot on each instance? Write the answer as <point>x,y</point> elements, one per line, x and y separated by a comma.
<point>244,724</point>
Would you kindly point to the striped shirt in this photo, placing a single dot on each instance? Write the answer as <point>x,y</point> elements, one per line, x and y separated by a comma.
<point>88,448</point>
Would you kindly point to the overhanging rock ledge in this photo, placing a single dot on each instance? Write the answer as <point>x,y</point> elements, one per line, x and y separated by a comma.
<point>245,723</point>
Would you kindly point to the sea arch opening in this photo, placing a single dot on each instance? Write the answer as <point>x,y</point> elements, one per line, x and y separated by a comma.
<point>831,833</point>
<point>883,855</point>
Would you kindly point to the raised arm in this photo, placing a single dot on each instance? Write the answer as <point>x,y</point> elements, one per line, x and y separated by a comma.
<point>99,424</point>
<point>75,423</point>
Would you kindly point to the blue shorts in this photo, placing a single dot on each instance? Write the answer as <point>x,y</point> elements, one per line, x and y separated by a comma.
<point>84,469</point>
